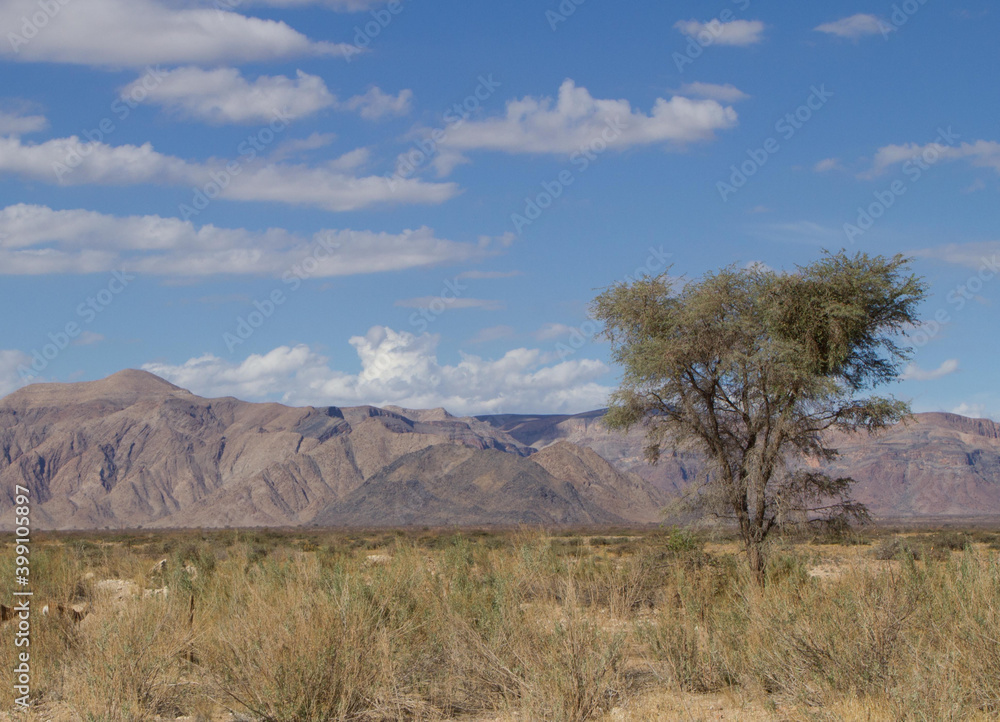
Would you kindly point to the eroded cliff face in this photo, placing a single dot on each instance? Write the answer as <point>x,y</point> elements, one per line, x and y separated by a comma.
<point>133,450</point>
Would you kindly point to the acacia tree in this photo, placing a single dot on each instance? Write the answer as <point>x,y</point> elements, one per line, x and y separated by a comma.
<point>750,367</point>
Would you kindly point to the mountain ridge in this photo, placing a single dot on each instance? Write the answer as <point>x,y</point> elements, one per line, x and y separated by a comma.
<point>134,450</point>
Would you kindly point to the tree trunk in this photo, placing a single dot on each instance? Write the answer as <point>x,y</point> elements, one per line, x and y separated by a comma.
<point>757,560</point>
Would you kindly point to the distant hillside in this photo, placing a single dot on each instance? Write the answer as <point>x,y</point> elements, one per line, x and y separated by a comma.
<point>935,465</point>
<point>134,450</point>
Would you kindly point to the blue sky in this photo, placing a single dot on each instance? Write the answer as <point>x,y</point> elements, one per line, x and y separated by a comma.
<point>360,201</point>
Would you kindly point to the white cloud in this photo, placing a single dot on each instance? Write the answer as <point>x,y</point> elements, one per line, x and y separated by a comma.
<point>727,93</point>
<point>19,124</point>
<point>759,266</point>
<point>10,379</point>
<point>330,188</point>
<point>973,411</point>
<point>403,369</point>
<point>37,240</point>
<point>223,95</point>
<point>827,164</point>
<point>716,32</point>
<point>350,161</point>
<point>375,104</point>
<point>577,120</point>
<point>88,338</point>
<point>299,147</point>
<point>130,33</point>
<point>913,372</point>
<point>983,256</point>
<point>854,27</point>
<point>433,302</point>
<point>981,153</point>
<point>551,331</point>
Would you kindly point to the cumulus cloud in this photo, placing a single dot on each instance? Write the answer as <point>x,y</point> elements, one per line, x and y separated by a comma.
<point>38,240</point>
<point>974,411</point>
<point>223,95</point>
<point>10,379</point>
<point>403,369</point>
<point>376,104</point>
<point>913,372</point>
<point>981,153</point>
<point>68,161</point>
<point>827,164</point>
<point>576,120</point>
<point>130,33</point>
<point>727,93</point>
<point>854,27</point>
<point>735,32</point>
<point>299,147</point>
<point>20,124</point>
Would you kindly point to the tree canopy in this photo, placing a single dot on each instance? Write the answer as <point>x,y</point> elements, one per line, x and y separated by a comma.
<point>751,366</point>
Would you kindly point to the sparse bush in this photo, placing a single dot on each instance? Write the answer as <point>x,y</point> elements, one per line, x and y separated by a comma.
<point>125,668</point>
<point>517,625</point>
<point>895,548</point>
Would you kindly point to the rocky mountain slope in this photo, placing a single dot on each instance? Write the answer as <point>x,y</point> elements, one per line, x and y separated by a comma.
<point>134,450</point>
<point>935,465</point>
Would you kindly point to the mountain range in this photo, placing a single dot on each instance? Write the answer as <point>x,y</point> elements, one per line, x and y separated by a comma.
<point>133,450</point>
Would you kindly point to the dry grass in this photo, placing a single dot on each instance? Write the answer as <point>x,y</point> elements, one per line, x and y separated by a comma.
<point>513,626</point>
